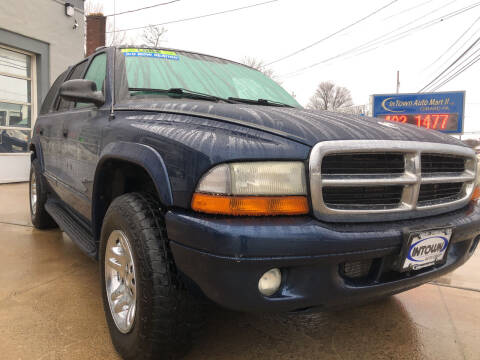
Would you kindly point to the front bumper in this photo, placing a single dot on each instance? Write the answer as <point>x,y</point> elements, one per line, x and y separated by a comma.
<point>226,257</point>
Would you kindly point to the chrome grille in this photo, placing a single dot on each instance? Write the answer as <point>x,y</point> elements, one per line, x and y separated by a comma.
<point>355,179</point>
<point>359,196</point>
<point>438,163</point>
<point>439,192</point>
<point>354,164</point>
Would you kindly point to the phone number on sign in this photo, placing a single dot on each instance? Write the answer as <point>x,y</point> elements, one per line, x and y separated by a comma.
<point>428,121</point>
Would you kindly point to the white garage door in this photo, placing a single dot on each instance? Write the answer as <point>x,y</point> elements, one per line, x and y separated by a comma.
<point>17,112</point>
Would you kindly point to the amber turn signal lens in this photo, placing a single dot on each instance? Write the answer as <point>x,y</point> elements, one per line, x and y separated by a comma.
<point>476,194</point>
<point>250,205</point>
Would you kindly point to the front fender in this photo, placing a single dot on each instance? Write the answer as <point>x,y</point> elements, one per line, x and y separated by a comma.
<point>143,156</point>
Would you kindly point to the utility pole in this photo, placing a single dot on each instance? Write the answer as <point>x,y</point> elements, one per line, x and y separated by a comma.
<point>114,14</point>
<point>398,81</point>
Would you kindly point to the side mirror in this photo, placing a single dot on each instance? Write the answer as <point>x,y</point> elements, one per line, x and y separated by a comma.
<point>81,90</point>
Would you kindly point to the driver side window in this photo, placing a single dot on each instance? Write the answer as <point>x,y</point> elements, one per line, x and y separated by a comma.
<point>76,73</point>
<point>96,72</point>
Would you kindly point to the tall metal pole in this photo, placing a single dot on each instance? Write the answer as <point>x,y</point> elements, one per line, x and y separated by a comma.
<point>114,28</point>
<point>398,81</point>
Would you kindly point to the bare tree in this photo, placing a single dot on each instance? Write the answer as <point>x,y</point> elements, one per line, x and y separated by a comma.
<point>260,66</point>
<point>152,35</point>
<point>93,7</point>
<point>329,96</point>
<point>115,38</point>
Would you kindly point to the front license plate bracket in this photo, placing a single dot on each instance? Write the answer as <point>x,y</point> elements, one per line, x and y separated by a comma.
<point>424,248</point>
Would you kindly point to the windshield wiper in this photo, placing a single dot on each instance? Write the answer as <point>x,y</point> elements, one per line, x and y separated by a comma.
<point>260,102</point>
<point>183,93</point>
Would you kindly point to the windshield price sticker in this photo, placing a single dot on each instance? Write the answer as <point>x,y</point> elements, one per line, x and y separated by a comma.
<point>159,54</point>
<point>426,248</point>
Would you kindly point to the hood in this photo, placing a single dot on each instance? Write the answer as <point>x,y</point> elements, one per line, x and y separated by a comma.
<point>306,126</point>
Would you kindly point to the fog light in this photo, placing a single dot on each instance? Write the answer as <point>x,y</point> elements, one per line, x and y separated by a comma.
<point>270,282</point>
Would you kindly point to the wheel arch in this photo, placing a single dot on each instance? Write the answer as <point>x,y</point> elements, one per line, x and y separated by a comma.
<point>113,177</point>
<point>36,152</point>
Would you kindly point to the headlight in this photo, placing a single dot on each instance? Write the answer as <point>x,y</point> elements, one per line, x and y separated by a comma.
<point>476,189</point>
<point>253,188</point>
<point>478,170</point>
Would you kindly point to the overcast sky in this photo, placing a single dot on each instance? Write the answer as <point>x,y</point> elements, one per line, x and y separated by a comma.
<point>271,31</point>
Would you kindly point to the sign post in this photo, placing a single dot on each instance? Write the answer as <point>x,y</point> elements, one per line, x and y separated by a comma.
<point>442,111</point>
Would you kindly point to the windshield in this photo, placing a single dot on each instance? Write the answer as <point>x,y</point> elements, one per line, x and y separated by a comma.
<point>162,69</point>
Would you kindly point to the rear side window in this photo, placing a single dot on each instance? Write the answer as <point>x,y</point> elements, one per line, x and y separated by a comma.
<point>52,93</point>
<point>96,72</point>
<point>75,74</point>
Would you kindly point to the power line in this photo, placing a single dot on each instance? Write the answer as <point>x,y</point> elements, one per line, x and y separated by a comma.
<point>143,8</point>
<point>454,43</point>
<point>470,64</point>
<point>448,67</point>
<point>463,45</point>
<point>406,33</point>
<point>367,46</point>
<point>452,70</point>
<point>458,72</point>
<point>379,41</point>
<point>376,42</point>
<point>407,10</point>
<point>198,17</point>
<point>332,34</point>
<point>466,67</point>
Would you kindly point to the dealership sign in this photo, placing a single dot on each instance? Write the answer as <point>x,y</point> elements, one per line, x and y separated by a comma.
<point>442,111</point>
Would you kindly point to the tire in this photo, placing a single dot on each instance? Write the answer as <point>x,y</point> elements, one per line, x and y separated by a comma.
<point>165,313</point>
<point>38,197</point>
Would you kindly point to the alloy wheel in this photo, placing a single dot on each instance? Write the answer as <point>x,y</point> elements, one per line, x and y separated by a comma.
<point>33,193</point>
<point>120,280</point>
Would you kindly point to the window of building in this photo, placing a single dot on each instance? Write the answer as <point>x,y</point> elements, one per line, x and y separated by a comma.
<point>17,99</point>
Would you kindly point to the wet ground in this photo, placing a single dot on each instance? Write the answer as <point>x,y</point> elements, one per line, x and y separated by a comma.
<point>50,308</point>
